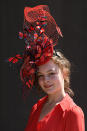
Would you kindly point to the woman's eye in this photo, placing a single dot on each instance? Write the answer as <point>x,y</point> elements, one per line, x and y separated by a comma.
<point>39,76</point>
<point>52,73</point>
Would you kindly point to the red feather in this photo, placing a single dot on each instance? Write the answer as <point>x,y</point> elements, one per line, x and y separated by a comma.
<point>10,59</point>
<point>15,59</point>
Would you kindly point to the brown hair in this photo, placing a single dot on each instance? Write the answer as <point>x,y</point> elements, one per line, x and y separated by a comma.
<point>65,67</point>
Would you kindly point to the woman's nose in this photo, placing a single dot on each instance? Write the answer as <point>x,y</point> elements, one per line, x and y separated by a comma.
<point>46,79</point>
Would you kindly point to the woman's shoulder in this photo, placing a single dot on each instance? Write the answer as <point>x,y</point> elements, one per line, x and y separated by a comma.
<point>74,108</point>
<point>68,105</point>
<point>76,111</point>
<point>75,115</point>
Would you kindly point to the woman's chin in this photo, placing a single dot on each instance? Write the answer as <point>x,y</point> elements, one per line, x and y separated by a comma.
<point>50,91</point>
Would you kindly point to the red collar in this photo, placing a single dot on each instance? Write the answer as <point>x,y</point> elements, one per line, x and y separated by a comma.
<point>65,104</point>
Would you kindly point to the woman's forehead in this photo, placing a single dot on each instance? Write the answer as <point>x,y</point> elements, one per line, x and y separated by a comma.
<point>49,66</point>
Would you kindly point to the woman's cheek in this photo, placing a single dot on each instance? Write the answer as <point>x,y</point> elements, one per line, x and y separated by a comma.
<point>55,77</point>
<point>40,82</point>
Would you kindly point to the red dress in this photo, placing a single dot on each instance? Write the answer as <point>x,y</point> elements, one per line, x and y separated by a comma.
<point>66,116</point>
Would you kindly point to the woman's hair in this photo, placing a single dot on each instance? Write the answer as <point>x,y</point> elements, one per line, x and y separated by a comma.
<point>65,66</point>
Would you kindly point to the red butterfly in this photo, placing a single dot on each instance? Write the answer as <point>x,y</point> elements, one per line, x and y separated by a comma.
<point>15,59</point>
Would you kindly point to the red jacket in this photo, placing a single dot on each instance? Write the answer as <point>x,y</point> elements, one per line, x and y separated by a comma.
<point>66,116</point>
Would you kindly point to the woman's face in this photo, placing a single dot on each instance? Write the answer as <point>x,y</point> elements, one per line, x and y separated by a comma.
<point>50,78</point>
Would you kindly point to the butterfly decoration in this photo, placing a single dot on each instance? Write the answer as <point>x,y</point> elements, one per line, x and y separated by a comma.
<point>15,59</point>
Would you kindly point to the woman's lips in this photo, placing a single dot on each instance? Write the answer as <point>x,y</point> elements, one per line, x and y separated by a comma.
<point>48,86</point>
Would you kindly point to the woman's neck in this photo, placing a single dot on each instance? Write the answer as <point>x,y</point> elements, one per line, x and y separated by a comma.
<point>55,98</point>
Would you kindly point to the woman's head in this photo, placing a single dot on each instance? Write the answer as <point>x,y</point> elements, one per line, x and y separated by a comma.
<point>41,34</point>
<point>55,75</point>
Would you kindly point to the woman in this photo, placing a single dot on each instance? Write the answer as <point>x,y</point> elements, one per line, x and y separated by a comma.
<point>49,71</point>
<point>56,111</point>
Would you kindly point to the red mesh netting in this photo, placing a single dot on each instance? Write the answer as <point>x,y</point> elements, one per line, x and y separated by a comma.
<point>31,15</point>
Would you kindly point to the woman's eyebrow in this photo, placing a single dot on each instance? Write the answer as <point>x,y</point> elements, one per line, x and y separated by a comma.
<point>47,71</point>
<point>50,70</point>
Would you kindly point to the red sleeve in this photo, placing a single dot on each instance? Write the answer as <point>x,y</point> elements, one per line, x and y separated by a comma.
<point>75,120</point>
<point>31,116</point>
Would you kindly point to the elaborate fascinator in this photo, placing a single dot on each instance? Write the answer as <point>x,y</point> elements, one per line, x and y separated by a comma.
<point>40,33</point>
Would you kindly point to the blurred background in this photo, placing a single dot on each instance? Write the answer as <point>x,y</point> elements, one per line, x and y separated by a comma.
<point>71,17</point>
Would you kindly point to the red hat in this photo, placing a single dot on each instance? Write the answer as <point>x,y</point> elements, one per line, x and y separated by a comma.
<point>41,34</point>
